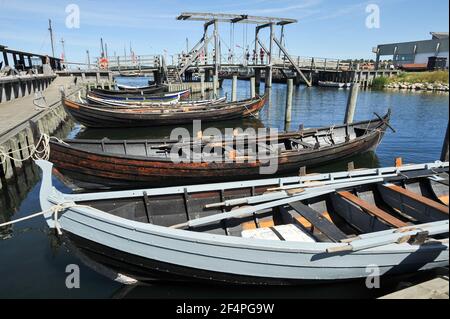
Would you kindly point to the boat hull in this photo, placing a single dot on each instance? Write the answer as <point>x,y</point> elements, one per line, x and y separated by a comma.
<point>148,269</point>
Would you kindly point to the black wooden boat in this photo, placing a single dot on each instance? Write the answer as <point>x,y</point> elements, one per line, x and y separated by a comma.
<point>124,164</point>
<point>103,117</point>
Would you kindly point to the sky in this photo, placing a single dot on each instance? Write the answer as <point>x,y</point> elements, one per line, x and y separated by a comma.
<point>325,28</point>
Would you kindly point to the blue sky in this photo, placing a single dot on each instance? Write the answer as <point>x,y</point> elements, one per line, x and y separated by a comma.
<point>326,28</point>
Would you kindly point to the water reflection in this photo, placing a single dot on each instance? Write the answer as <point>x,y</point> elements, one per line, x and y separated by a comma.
<point>342,290</point>
<point>14,192</point>
<point>162,131</point>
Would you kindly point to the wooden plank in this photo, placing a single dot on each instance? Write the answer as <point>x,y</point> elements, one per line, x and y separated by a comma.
<point>147,208</point>
<point>373,210</point>
<point>419,198</point>
<point>300,142</point>
<point>318,221</point>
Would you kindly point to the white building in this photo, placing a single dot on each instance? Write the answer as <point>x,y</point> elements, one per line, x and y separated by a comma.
<point>415,52</point>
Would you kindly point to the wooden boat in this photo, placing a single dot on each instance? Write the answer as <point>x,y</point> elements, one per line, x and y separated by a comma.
<point>152,89</point>
<point>101,117</point>
<point>124,164</point>
<point>133,87</point>
<point>167,98</point>
<point>288,231</point>
<point>140,97</point>
<point>174,103</point>
<point>130,74</point>
<point>334,84</point>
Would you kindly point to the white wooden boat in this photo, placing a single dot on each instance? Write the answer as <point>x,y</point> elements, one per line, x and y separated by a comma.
<point>314,228</point>
<point>331,84</point>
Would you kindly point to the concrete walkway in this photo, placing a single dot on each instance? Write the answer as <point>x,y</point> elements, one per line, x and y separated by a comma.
<point>19,110</point>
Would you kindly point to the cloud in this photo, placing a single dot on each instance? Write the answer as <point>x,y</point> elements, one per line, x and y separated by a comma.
<point>344,11</point>
<point>287,8</point>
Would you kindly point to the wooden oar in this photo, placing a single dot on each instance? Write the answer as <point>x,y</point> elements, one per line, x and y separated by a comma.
<point>287,191</point>
<point>399,237</point>
<point>249,210</point>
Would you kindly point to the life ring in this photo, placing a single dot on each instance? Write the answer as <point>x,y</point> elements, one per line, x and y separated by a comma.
<point>103,63</point>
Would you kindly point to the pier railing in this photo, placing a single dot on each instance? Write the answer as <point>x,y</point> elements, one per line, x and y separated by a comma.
<point>138,62</point>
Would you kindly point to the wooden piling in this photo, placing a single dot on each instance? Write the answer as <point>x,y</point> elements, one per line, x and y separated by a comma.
<point>202,85</point>
<point>234,89</point>
<point>290,90</point>
<point>269,77</point>
<point>257,78</point>
<point>444,153</point>
<point>215,84</point>
<point>252,87</point>
<point>351,104</point>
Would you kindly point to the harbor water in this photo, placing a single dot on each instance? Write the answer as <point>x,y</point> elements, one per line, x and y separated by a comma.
<point>33,261</point>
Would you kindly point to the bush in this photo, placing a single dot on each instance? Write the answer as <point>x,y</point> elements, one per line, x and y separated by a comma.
<point>380,82</point>
<point>422,77</point>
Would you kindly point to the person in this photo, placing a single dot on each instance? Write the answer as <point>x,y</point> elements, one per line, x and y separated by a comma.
<point>254,57</point>
<point>247,55</point>
<point>261,55</point>
<point>230,56</point>
<point>202,56</point>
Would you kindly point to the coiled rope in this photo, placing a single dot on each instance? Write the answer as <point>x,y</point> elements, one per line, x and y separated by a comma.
<point>39,151</point>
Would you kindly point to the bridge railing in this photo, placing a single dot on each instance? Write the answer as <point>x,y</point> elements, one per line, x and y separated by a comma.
<point>136,62</point>
<point>239,58</point>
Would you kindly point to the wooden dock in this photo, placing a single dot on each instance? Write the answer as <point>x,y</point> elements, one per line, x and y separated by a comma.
<point>433,289</point>
<point>18,116</point>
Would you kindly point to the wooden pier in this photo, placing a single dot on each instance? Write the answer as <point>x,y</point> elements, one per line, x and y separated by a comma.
<point>18,117</point>
<point>436,288</point>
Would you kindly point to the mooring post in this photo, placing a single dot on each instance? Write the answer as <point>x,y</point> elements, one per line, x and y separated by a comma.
<point>234,89</point>
<point>202,85</point>
<point>351,104</point>
<point>290,90</point>
<point>444,153</point>
<point>252,87</point>
<point>215,81</point>
<point>269,77</point>
<point>257,78</point>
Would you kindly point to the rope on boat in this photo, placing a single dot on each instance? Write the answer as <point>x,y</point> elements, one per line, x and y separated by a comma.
<point>55,210</point>
<point>39,152</point>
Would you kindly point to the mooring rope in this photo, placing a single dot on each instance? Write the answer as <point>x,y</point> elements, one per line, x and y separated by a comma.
<point>39,151</point>
<point>51,108</point>
<point>55,209</point>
